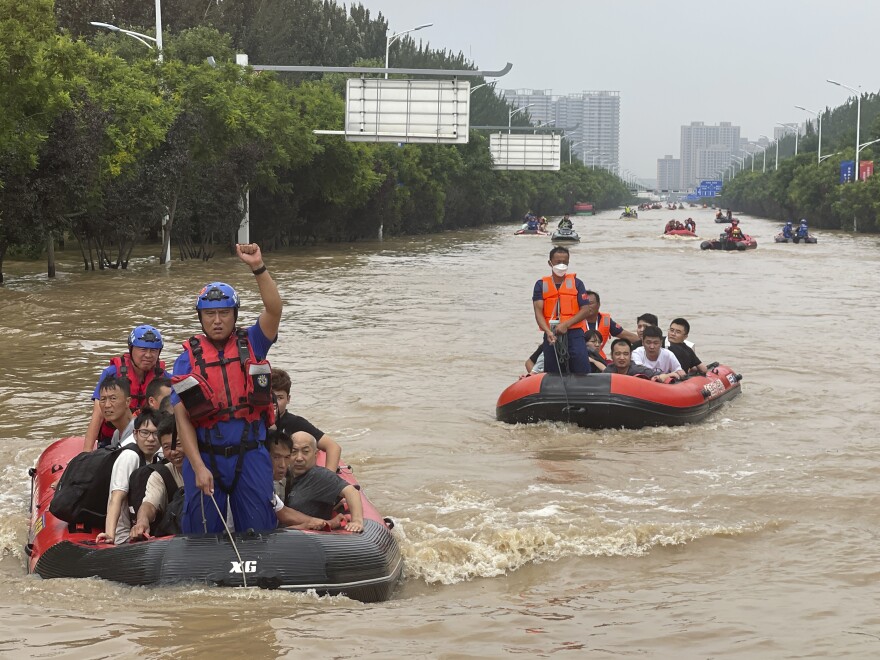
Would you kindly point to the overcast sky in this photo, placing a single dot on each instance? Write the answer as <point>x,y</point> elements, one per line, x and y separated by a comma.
<point>746,61</point>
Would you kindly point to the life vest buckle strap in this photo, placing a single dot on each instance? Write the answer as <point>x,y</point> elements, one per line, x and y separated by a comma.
<point>228,451</point>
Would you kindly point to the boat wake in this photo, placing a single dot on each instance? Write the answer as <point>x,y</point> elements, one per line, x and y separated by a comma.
<point>488,540</point>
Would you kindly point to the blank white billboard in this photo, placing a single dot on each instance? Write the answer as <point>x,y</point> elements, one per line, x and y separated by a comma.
<point>530,151</point>
<point>425,111</point>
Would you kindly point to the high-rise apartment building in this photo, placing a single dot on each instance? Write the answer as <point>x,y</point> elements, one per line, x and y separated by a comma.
<point>668,173</point>
<point>593,119</point>
<point>542,108</point>
<point>705,150</point>
<point>590,117</point>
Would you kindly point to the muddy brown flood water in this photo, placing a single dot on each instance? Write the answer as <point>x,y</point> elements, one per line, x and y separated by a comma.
<point>754,534</point>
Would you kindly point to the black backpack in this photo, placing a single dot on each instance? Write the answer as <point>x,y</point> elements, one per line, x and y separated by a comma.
<point>137,489</point>
<point>82,493</point>
<point>168,523</point>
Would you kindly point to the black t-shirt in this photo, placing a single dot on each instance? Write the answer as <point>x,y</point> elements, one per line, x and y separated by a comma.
<point>316,492</point>
<point>686,356</point>
<point>290,424</point>
<point>538,351</point>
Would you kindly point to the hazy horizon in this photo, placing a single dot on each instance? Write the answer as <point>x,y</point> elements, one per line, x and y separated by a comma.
<point>673,63</point>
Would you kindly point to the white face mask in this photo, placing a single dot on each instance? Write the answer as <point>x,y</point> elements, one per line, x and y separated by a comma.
<point>560,270</point>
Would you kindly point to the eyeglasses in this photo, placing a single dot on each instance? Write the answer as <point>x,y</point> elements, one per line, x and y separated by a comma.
<point>144,434</point>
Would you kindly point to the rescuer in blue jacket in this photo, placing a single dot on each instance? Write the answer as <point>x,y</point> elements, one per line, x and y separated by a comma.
<point>223,405</point>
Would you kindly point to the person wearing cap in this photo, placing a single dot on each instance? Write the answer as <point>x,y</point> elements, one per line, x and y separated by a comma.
<point>140,366</point>
<point>223,405</point>
<point>559,301</point>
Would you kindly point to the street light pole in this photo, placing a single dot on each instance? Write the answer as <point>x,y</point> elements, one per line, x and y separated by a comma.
<point>819,120</point>
<point>390,40</point>
<point>511,113</point>
<point>858,117</point>
<point>765,152</point>
<point>139,36</point>
<point>796,131</point>
<point>571,148</point>
<point>473,89</point>
<point>159,27</point>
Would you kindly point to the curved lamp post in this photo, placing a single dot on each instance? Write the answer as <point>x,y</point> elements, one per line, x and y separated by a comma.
<point>571,148</point>
<point>390,40</point>
<point>819,120</point>
<point>776,166</point>
<point>858,94</point>
<point>742,164</point>
<point>789,128</point>
<point>473,89</point>
<point>131,33</point>
<point>137,35</point>
<point>511,113</point>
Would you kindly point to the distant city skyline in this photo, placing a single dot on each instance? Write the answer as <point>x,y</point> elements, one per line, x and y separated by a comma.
<point>673,63</point>
<point>591,120</point>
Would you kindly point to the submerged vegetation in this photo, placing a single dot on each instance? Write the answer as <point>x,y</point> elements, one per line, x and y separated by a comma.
<point>102,142</point>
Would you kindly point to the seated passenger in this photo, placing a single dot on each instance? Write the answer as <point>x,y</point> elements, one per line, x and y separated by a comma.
<point>669,226</point>
<point>719,215</point>
<point>542,224</point>
<point>532,224</point>
<point>140,366</point>
<point>653,355</point>
<point>603,322</point>
<point>690,225</point>
<point>315,491</point>
<point>621,361</point>
<point>114,401</point>
<point>565,223</point>
<point>535,362</point>
<point>594,345</point>
<point>643,322</point>
<point>153,512</point>
<point>157,391</point>
<point>132,456</point>
<point>280,448</point>
<point>288,423</point>
<point>788,230</point>
<point>678,333</point>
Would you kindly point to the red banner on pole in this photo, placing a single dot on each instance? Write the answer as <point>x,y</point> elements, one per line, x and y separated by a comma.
<point>866,169</point>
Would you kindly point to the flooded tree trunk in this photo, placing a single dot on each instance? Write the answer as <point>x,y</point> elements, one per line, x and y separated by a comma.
<point>50,251</point>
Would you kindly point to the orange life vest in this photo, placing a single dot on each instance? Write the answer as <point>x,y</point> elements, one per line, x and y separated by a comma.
<point>603,326</point>
<point>138,389</point>
<point>237,385</point>
<point>561,303</point>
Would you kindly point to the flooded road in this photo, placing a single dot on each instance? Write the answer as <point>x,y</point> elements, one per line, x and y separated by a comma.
<point>752,535</point>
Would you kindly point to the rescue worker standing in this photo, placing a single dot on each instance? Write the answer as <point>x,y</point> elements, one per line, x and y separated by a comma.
<point>223,405</point>
<point>561,298</point>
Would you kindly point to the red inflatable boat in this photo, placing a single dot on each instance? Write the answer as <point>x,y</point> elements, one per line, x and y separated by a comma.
<point>606,401</point>
<point>365,566</point>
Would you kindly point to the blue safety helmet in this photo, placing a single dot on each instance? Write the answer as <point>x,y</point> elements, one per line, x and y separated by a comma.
<point>788,223</point>
<point>145,336</point>
<point>217,295</point>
